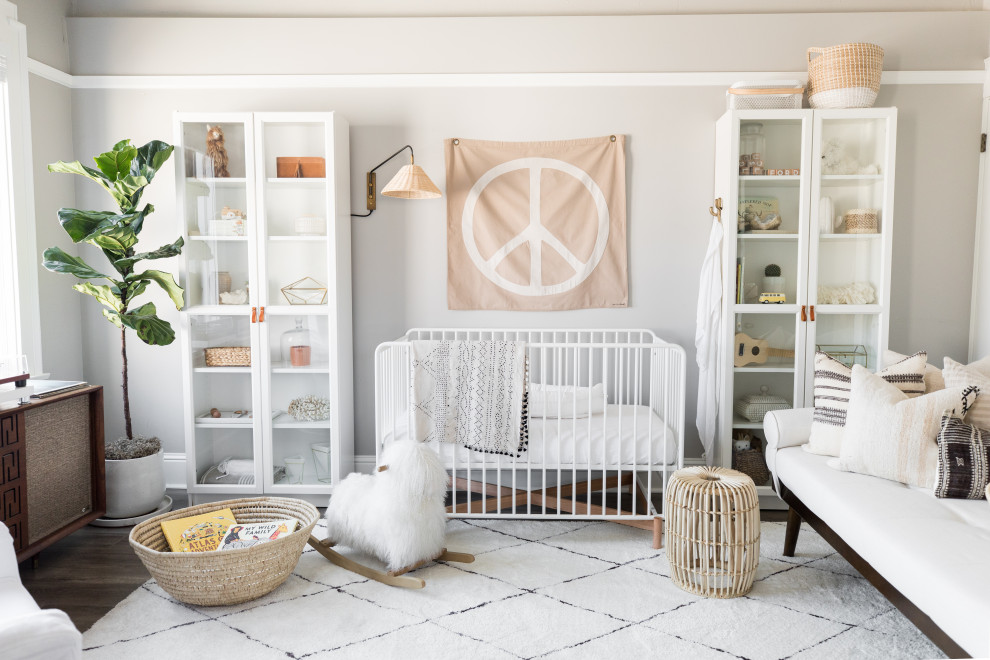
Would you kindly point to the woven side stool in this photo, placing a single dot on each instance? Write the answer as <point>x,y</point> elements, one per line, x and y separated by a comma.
<point>712,520</point>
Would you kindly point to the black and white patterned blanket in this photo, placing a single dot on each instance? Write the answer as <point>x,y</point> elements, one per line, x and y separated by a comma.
<point>471,393</point>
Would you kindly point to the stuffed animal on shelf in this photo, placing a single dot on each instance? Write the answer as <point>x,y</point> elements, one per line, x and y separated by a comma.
<point>396,514</point>
<point>856,293</point>
<point>216,150</point>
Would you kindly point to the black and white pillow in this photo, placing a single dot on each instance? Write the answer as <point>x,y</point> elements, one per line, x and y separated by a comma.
<point>963,460</point>
<point>832,387</point>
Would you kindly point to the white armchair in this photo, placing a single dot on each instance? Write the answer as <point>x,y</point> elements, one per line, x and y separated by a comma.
<point>28,632</point>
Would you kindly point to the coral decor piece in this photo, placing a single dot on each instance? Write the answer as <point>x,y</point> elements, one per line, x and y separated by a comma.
<point>217,152</point>
<point>310,408</point>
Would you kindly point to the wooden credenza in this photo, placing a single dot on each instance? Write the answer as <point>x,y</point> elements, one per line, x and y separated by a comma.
<point>51,468</point>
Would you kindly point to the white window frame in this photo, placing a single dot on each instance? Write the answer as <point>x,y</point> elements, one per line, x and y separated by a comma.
<point>18,182</point>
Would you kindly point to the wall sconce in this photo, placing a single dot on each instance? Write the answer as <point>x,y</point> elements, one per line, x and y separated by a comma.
<point>410,182</point>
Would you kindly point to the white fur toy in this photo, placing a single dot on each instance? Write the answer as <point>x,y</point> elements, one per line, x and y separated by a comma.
<point>396,514</point>
<point>857,293</point>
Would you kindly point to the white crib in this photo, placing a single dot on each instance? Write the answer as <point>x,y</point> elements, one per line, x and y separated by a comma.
<point>635,442</point>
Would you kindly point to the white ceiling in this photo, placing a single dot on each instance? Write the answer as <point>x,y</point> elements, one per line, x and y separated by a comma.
<point>402,8</point>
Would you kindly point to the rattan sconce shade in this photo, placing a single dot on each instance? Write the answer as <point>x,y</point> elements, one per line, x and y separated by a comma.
<point>411,182</point>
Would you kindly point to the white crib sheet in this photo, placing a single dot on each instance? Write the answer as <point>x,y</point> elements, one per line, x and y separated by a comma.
<point>613,429</point>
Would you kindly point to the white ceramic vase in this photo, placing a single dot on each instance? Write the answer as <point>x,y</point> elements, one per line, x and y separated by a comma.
<point>135,486</point>
<point>773,284</point>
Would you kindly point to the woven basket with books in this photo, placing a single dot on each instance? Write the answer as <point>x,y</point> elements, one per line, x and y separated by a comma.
<point>233,576</point>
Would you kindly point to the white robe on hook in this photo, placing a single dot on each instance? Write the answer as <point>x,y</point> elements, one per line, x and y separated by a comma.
<point>706,340</point>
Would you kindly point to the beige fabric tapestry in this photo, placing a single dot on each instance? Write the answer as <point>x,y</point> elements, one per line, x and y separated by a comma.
<point>536,225</point>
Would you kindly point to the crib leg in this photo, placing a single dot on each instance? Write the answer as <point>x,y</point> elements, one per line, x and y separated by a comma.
<point>657,533</point>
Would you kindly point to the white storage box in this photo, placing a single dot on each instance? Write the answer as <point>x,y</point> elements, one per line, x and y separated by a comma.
<point>765,95</point>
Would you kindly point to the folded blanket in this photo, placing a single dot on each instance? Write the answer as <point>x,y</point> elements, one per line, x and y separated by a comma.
<point>470,393</point>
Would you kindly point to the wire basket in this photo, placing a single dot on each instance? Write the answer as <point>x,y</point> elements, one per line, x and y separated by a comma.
<point>228,356</point>
<point>844,76</point>
<point>226,577</point>
<point>861,221</point>
<point>765,95</point>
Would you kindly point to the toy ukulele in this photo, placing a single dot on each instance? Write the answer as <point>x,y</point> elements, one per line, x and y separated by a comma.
<point>755,351</point>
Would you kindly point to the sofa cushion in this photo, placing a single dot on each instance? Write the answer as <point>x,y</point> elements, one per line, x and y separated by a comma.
<point>935,552</point>
<point>934,381</point>
<point>960,375</point>
<point>891,436</point>
<point>963,457</point>
<point>832,383</point>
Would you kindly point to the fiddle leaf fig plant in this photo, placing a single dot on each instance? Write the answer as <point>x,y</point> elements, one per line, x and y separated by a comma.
<point>124,172</point>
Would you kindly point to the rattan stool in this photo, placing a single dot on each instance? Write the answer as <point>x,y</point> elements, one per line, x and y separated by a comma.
<point>712,520</point>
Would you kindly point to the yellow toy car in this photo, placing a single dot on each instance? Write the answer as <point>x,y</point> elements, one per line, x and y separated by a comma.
<point>767,298</point>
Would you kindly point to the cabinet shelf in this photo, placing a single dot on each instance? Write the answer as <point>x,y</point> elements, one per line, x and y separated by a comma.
<point>220,182</point>
<point>782,236</point>
<point>770,180</point>
<point>222,370</point>
<point>201,237</point>
<point>768,369</point>
<point>836,180</point>
<point>283,367</point>
<point>299,182</point>
<point>300,239</point>
<point>740,422</point>
<point>290,423</point>
<point>848,237</point>
<point>768,308</point>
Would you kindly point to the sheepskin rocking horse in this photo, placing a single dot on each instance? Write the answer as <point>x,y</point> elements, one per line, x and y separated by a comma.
<point>396,514</point>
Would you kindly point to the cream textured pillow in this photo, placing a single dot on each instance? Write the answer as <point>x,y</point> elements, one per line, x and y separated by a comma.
<point>933,375</point>
<point>832,396</point>
<point>891,436</point>
<point>958,375</point>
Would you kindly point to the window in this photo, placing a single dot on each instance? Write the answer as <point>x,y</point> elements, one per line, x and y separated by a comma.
<point>20,324</point>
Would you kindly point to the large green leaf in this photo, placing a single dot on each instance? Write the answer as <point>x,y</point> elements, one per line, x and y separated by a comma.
<point>80,225</point>
<point>164,280</point>
<point>107,295</point>
<point>150,158</point>
<point>164,252</point>
<point>135,289</point>
<point>150,329</point>
<point>56,260</point>
<point>113,317</point>
<point>78,168</point>
<point>135,220</point>
<point>116,164</point>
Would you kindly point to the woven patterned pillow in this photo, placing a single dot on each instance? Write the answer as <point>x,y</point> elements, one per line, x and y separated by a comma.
<point>934,380</point>
<point>958,375</point>
<point>891,436</point>
<point>963,459</point>
<point>832,380</point>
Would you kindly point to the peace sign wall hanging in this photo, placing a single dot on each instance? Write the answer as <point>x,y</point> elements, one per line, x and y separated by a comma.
<point>536,225</point>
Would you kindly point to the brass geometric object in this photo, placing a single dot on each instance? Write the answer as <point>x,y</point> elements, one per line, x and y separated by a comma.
<point>306,291</point>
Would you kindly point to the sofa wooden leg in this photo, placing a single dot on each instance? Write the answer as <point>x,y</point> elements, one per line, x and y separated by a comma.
<point>791,533</point>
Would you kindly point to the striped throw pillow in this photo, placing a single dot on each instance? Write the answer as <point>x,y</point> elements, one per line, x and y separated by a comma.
<point>959,375</point>
<point>832,387</point>
<point>963,459</point>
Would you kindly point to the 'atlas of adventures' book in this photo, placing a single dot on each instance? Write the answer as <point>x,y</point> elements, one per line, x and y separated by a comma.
<point>198,533</point>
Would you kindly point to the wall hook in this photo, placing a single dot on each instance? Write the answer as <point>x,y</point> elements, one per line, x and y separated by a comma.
<point>716,211</point>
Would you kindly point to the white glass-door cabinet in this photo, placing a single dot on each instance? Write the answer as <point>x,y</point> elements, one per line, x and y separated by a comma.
<point>808,216</point>
<point>267,320</point>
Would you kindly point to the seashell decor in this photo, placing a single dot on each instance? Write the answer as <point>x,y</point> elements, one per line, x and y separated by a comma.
<point>310,408</point>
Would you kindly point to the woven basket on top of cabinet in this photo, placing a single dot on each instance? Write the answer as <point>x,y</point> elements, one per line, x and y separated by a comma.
<point>844,76</point>
<point>227,577</point>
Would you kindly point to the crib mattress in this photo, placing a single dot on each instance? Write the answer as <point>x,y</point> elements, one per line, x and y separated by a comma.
<point>619,436</point>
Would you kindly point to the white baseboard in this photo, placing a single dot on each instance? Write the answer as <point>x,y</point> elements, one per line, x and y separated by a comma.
<point>175,470</point>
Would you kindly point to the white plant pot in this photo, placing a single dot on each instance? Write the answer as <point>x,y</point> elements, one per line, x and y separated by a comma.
<point>773,284</point>
<point>135,486</point>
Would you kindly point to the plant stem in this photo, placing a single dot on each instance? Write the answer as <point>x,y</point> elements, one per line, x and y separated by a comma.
<point>127,399</point>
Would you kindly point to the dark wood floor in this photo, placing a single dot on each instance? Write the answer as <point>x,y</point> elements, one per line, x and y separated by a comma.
<point>93,569</point>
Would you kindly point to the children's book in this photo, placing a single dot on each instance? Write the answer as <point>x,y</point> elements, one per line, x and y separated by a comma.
<point>244,536</point>
<point>200,533</point>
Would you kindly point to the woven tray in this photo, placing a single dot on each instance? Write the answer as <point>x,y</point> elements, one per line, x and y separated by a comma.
<point>228,356</point>
<point>231,576</point>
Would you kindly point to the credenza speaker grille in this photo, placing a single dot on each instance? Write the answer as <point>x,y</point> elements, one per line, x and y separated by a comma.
<point>59,465</point>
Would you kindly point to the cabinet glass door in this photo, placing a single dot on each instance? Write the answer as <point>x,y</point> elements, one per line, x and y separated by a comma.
<point>225,403</point>
<point>216,183</point>
<point>852,207</point>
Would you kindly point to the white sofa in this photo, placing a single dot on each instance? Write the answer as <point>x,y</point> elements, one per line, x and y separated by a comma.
<point>930,557</point>
<point>28,632</point>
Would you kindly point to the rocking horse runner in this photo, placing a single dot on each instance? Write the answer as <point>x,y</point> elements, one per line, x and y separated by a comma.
<point>396,514</point>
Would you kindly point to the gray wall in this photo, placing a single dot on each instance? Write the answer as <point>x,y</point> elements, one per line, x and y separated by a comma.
<point>399,254</point>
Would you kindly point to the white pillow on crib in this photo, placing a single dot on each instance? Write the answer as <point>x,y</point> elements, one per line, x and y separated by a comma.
<point>565,401</point>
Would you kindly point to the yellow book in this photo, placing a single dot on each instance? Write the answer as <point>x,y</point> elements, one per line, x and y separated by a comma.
<point>198,533</point>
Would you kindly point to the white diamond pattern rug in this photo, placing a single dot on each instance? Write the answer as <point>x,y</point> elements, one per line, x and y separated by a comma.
<point>556,589</point>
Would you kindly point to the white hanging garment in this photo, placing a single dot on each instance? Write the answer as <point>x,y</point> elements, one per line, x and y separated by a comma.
<point>706,340</point>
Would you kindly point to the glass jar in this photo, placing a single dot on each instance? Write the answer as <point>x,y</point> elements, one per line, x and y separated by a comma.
<point>752,142</point>
<point>296,349</point>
